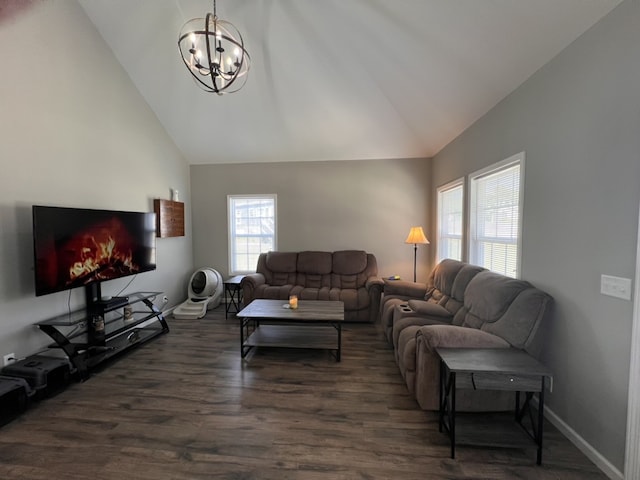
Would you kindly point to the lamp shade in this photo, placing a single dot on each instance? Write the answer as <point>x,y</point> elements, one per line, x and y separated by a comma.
<point>416,235</point>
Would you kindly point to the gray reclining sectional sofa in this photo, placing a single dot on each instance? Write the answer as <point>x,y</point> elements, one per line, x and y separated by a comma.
<point>461,305</point>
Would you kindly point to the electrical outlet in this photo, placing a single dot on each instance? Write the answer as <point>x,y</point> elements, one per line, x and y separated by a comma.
<point>9,359</point>
<point>615,286</point>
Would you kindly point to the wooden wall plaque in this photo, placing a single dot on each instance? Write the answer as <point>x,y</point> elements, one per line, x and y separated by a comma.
<point>169,218</point>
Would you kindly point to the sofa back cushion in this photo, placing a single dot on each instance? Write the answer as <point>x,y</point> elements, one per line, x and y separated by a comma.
<point>351,268</point>
<point>278,268</point>
<point>441,280</point>
<point>314,269</point>
<point>448,282</point>
<point>504,306</point>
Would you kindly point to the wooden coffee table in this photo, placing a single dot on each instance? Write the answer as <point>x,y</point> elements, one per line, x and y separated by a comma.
<point>314,324</point>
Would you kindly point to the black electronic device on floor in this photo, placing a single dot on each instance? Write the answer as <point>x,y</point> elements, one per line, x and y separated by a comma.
<point>47,376</point>
<point>14,397</point>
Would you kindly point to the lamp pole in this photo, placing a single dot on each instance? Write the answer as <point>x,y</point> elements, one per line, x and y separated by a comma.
<point>415,255</point>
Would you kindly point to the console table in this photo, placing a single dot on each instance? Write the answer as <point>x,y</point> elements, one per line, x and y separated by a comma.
<point>232,294</point>
<point>74,332</point>
<point>507,369</point>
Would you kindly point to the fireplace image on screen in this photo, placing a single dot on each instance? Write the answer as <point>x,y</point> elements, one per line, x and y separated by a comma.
<point>101,255</point>
<point>75,247</point>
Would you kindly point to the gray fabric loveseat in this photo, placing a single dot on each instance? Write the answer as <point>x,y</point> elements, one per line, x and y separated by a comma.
<point>348,275</point>
<point>461,305</point>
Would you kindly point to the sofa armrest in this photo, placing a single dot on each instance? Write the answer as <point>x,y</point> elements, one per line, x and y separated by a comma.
<point>422,307</point>
<point>374,282</point>
<point>431,337</point>
<point>374,286</point>
<point>249,284</point>
<point>427,369</point>
<point>405,289</point>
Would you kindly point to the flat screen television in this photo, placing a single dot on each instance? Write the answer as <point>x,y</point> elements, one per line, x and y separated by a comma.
<point>76,247</point>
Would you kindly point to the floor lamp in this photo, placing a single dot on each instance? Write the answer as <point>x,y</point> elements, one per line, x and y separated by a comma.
<point>416,236</point>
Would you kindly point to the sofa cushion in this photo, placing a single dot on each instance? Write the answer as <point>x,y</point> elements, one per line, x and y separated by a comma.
<point>272,292</point>
<point>319,263</point>
<point>278,268</point>
<point>314,269</point>
<point>461,282</point>
<point>487,298</point>
<point>449,336</point>
<point>311,293</point>
<point>512,309</point>
<point>441,279</point>
<point>353,298</point>
<point>349,262</point>
<point>521,321</point>
<point>283,262</point>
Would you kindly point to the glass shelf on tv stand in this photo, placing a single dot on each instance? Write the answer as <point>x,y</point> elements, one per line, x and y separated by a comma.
<point>71,331</point>
<point>79,316</point>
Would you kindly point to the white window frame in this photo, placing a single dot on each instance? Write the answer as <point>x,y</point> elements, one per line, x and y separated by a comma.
<point>517,159</point>
<point>231,229</point>
<point>441,234</point>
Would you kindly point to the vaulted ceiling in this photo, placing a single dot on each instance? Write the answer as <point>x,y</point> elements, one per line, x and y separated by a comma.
<point>340,79</point>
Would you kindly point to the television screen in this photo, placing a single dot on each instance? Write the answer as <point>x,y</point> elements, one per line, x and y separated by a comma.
<point>75,247</point>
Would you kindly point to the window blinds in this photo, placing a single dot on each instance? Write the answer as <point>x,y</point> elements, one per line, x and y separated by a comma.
<point>495,220</point>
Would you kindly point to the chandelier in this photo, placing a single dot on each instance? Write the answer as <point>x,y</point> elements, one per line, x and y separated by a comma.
<point>213,51</point>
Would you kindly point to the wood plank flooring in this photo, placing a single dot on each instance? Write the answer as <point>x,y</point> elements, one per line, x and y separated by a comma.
<point>187,407</point>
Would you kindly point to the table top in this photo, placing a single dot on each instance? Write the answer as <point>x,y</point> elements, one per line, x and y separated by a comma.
<point>308,310</point>
<point>235,280</point>
<point>510,361</point>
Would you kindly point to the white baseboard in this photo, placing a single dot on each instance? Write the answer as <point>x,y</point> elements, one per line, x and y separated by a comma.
<point>592,454</point>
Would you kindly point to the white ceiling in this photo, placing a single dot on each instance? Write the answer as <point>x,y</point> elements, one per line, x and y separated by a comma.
<point>340,79</point>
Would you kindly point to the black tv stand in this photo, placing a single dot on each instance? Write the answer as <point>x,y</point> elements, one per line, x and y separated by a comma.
<point>91,336</point>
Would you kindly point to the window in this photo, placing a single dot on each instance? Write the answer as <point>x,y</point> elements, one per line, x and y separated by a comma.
<point>496,216</point>
<point>450,200</point>
<point>252,230</point>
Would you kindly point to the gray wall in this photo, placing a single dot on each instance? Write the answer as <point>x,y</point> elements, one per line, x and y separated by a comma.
<point>578,120</point>
<point>368,205</point>
<point>73,132</point>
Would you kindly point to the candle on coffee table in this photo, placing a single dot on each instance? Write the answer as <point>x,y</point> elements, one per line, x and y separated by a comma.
<point>293,301</point>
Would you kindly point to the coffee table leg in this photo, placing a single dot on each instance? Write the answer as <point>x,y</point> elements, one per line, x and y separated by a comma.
<point>243,324</point>
<point>452,418</point>
<point>244,335</point>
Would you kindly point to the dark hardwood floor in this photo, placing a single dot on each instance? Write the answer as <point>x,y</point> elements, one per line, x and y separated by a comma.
<point>185,406</point>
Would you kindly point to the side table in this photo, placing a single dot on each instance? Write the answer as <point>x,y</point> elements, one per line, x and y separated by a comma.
<point>507,369</point>
<point>232,295</point>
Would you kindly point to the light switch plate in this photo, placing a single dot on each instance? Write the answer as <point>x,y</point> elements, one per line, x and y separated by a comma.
<point>615,286</point>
